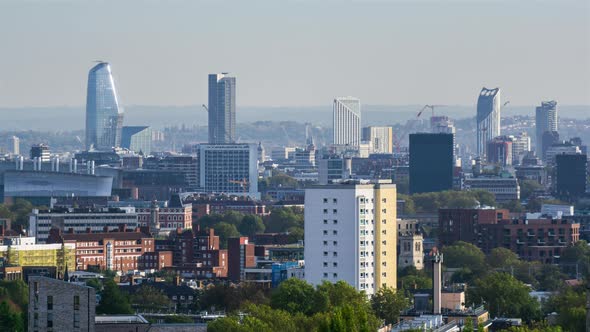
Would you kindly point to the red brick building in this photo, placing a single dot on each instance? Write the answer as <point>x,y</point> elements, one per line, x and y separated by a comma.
<point>118,251</point>
<point>461,224</point>
<point>169,218</point>
<point>241,256</point>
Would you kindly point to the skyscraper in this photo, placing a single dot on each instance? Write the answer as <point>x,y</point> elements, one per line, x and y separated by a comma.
<point>104,116</point>
<point>571,175</point>
<point>488,118</point>
<point>381,139</point>
<point>15,142</point>
<point>222,109</point>
<point>137,139</point>
<point>431,162</point>
<point>545,120</point>
<point>347,121</point>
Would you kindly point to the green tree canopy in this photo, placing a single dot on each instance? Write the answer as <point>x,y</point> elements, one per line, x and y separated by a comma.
<point>250,225</point>
<point>388,303</point>
<point>148,297</point>
<point>113,301</point>
<point>465,255</point>
<point>504,296</point>
<point>225,231</point>
<point>294,295</point>
<point>502,258</point>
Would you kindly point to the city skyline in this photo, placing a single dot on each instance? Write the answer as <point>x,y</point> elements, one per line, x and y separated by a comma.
<point>392,62</point>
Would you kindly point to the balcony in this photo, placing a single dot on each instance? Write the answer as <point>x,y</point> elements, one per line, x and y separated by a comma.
<point>550,234</point>
<point>519,241</point>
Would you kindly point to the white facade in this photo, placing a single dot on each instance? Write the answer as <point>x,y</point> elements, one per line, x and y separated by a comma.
<point>380,138</point>
<point>347,121</point>
<point>344,239</point>
<point>521,144</point>
<point>488,118</point>
<point>40,222</point>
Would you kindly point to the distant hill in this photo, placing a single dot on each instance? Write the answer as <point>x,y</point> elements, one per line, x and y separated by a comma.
<point>72,118</point>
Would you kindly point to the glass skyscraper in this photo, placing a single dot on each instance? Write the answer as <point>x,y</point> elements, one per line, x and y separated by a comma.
<point>545,120</point>
<point>104,116</point>
<point>222,109</point>
<point>488,118</point>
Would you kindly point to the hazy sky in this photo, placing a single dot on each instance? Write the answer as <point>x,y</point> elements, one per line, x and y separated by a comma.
<point>292,53</point>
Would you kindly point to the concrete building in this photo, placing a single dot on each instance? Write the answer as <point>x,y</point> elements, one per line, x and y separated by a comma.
<point>545,120</point>
<point>350,235</point>
<point>56,305</point>
<point>488,118</point>
<point>427,150</point>
<point>137,139</point>
<point>347,121</point>
<point>381,138</point>
<point>505,189</point>
<point>104,116</point>
<point>187,165</point>
<point>521,145</point>
<point>411,250</point>
<point>229,168</point>
<point>334,169</point>
<point>15,146</point>
<point>548,139</point>
<point>79,221</point>
<point>222,109</point>
<point>557,211</point>
<point>40,152</point>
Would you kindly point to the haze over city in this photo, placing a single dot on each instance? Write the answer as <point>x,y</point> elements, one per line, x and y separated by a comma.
<point>297,53</point>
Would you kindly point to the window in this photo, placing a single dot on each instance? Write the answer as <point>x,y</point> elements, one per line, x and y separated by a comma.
<point>325,211</point>
<point>335,221</point>
<point>335,275</point>
<point>325,253</point>
<point>325,264</point>
<point>335,200</point>
<point>335,264</point>
<point>325,200</point>
<point>76,302</point>
<point>335,254</point>
<point>325,232</point>
<point>335,243</point>
<point>325,275</point>
<point>325,221</point>
<point>325,243</point>
<point>49,319</point>
<point>49,302</point>
<point>335,232</point>
<point>76,319</point>
<point>334,211</point>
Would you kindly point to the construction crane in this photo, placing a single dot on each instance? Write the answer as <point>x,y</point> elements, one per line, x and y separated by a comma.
<point>243,183</point>
<point>205,108</point>
<point>397,140</point>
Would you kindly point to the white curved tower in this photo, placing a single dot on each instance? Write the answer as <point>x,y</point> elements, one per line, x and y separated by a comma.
<point>347,121</point>
<point>104,116</point>
<point>488,118</point>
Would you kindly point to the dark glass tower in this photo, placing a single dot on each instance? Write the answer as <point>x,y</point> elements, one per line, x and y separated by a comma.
<point>104,116</point>
<point>570,175</point>
<point>222,109</point>
<point>431,162</point>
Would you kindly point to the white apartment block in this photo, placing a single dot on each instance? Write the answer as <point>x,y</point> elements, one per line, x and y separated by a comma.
<point>350,235</point>
<point>347,121</point>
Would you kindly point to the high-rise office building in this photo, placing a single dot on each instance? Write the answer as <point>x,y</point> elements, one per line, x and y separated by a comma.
<point>381,139</point>
<point>40,151</point>
<point>488,118</point>
<point>500,151</point>
<point>229,168</point>
<point>548,139</point>
<point>431,162</point>
<point>347,121</point>
<point>15,145</point>
<point>545,120</point>
<point>521,145</point>
<point>571,175</point>
<point>137,139</point>
<point>350,235</point>
<point>222,108</point>
<point>104,116</point>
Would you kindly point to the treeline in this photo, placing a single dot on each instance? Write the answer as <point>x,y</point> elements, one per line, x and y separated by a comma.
<point>298,306</point>
<point>233,224</point>
<point>14,300</point>
<point>431,202</point>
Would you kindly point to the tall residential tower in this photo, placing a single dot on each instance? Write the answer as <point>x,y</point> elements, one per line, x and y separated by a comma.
<point>545,120</point>
<point>488,118</point>
<point>222,109</point>
<point>347,121</point>
<point>104,116</point>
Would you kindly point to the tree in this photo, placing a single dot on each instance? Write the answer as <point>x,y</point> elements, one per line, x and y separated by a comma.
<point>250,225</point>
<point>550,278</point>
<point>225,231</point>
<point>209,220</point>
<point>113,301</point>
<point>465,255</point>
<point>281,219</point>
<point>9,319</point>
<point>504,296</point>
<point>569,303</point>
<point>233,217</point>
<point>528,187</point>
<point>148,297</point>
<point>502,258</point>
<point>294,295</point>
<point>387,304</point>
<point>513,206</point>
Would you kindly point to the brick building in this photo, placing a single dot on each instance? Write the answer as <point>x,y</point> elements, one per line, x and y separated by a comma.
<point>240,256</point>
<point>461,224</point>
<point>119,251</point>
<point>55,305</point>
<point>168,218</point>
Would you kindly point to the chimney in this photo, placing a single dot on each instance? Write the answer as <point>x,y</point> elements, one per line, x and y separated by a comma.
<point>437,260</point>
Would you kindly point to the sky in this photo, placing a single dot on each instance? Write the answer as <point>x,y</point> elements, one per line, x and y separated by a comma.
<point>297,52</point>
